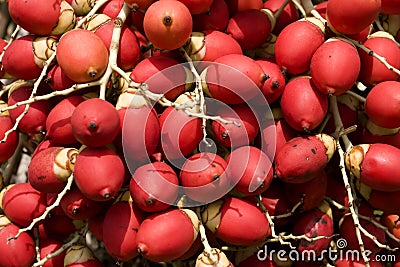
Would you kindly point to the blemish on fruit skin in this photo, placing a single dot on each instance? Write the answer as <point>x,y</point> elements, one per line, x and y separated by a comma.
<point>313,151</point>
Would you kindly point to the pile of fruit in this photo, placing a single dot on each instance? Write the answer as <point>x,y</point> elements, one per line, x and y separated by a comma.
<point>192,133</point>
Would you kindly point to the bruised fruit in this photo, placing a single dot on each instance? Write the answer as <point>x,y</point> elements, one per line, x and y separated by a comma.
<point>302,158</point>
<point>99,173</point>
<point>95,122</point>
<point>168,24</point>
<point>157,239</point>
<point>50,168</point>
<point>82,55</point>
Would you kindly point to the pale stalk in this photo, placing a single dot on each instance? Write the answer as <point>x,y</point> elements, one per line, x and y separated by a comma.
<point>336,204</point>
<point>114,49</point>
<point>48,209</point>
<point>13,36</point>
<point>73,241</point>
<point>289,214</point>
<point>200,99</point>
<point>356,96</point>
<point>98,4</point>
<point>281,8</point>
<point>267,215</point>
<point>373,238</point>
<point>14,160</point>
<point>207,248</point>
<point>33,94</point>
<point>380,226</point>
<point>299,7</point>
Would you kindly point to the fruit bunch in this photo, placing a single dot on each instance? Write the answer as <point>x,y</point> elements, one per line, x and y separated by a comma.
<point>200,133</point>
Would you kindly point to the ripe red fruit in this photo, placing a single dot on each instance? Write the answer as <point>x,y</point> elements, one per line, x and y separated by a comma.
<point>237,222</point>
<point>251,28</point>
<point>197,6</point>
<point>16,252</point>
<point>58,123</point>
<point>129,51</point>
<point>157,238</point>
<point>139,4</point>
<point>303,106</point>
<point>204,46</point>
<point>215,19</point>
<point>372,71</point>
<point>273,87</point>
<point>236,6</point>
<point>50,168</point>
<point>289,14</point>
<point>167,24</point>
<point>302,158</point>
<point>95,122</point>
<point>82,55</point>
<point>380,200</point>
<point>140,133</point>
<point>352,17</point>
<point>390,6</point>
<point>120,227</point>
<point>48,246</point>
<point>22,203</point>
<point>391,222</point>
<point>296,44</point>
<point>78,207</point>
<point>7,148</point>
<point>180,134</point>
<point>245,79</point>
<point>57,80</point>
<point>99,173</point>
<point>149,189</point>
<point>205,169</point>
<point>254,261</point>
<point>383,104</point>
<point>231,135</point>
<point>251,169</point>
<point>335,66</point>
<point>162,74</point>
<point>375,165</point>
<point>35,120</point>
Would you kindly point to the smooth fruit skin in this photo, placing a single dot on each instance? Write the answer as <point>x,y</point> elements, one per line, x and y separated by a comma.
<point>57,80</point>
<point>18,252</point>
<point>390,6</point>
<point>215,19</point>
<point>383,104</point>
<point>296,44</point>
<point>168,24</point>
<point>198,6</point>
<point>301,159</point>
<point>58,123</point>
<point>8,147</point>
<point>303,106</point>
<point>375,165</point>
<point>335,67</point>
<point>48,246</point>
<point>157,239</point>
<point>180,134</point>
<point>139,4</point>
<point>227,81</point>
<point>237,222</point>
<point>140,134</point>
<point>230,135</point>
<point>22,203</point>
<point>236,6</point>
<point>82,55</point>
<point>372,71</point>
<point>205,45</point>
<point>120,227</point>
<point>352,17</point>
<point>35,120</point>
<point>251,28</point>
<point>21,51</point>
<point>251,168</point>
<point>99,173</point>
<point>147,190</point>
<point>95,122</point>
<point>288,15</point>
<point>29,14</point>
<point>391,222</point>
<point>204,169</point>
